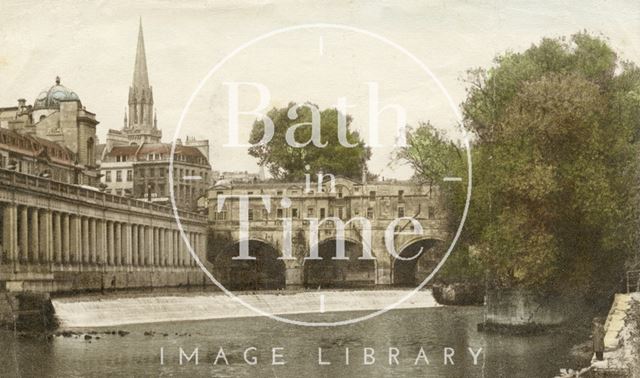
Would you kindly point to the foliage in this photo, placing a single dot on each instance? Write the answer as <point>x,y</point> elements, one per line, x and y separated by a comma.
<point>285,162</point>
<point>554,202</point>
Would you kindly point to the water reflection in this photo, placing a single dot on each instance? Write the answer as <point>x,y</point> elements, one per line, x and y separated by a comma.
<point>408,331</point>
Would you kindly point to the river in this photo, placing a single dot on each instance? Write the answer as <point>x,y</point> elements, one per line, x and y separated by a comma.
<point>402,332</point>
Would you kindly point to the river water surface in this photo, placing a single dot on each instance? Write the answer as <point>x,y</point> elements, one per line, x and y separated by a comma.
<point>408,330</point>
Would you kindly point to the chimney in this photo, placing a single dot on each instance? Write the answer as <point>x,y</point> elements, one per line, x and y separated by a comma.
<point>22,103</point>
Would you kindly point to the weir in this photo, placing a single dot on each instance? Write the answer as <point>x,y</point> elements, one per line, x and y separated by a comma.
<point>104,312</point>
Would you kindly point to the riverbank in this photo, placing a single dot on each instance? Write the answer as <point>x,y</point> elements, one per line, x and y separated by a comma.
<point>109,310</point>
<point>622,339</point>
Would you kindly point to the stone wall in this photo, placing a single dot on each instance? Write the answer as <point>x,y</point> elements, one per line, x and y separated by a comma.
<point>523,310</point>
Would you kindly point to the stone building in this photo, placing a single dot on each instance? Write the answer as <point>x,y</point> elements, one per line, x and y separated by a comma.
<point>381,203</point>
<point>136,163</point>
<point>55,137</point>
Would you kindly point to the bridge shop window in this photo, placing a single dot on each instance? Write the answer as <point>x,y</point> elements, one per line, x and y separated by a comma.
<point>431,212</point>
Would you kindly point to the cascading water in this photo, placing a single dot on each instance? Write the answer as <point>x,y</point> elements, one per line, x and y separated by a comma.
<point>102,312</point>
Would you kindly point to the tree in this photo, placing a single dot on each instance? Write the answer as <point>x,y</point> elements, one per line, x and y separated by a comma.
<point>286,162</point>
<point>555,195</point>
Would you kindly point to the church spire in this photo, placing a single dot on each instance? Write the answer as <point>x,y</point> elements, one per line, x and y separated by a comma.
<point>140,74</point>
<point>141,124</point>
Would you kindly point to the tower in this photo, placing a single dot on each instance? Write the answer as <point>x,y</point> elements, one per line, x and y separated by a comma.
<point>142,124</point>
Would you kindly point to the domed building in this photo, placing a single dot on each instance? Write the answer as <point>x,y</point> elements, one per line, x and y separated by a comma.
<point>50,99</point>
<point>57,116</point>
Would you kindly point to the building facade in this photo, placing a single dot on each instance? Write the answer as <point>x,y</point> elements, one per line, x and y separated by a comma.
<point>55,137</point>
<point>366,209</point>
<point>134,161</point>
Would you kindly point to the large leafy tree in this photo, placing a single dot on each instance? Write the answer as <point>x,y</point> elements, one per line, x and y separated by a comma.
<point>555,200</point>
<point>286,162</point>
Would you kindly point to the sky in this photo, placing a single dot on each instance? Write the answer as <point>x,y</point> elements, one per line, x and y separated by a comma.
<point>91,46</point>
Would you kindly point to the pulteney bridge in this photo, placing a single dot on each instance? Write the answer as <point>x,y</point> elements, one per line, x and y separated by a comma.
<point>58,237</point>
<point>379,202</point>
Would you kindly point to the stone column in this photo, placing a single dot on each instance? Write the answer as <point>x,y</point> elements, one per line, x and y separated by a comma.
<point>110,244</point>
<point>10,232</point>
<point>134,244</point>
<point>142,259</point>
<point>93,241</point>
<point>156,244</point>
<point>101,235</point>
<point>57,238</point>
<point>150,246</point>
<point>75,239</point>
<point>24,234</point>
<point>126,229</point>
<point>48,236</point>
<point>118,243</point>
<point>66,246</point>
<point>34,250</point>
<point>85,240</point>
<point>171,248</point>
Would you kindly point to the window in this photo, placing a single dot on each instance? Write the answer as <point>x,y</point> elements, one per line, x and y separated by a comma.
<point>372,195</point>
<point>129,175</point>
<point>431,212</point>
<point>279,192</point>
<point>142,172</point>
<point>265,214</point>
<point>322,213</point>
<point>118,176</point>
<point>107,176</point>
<point>370,213</point>
<point>119,192</point>
<point>341,212</point>
<point>250,214</point>
<point>160,189</point>
<point>294,213</point>
<point>161,172</point>
<point>400,195</point>
<point>279,213</point>
<point>221,215</point>
<point>340,193</point>
<point>311,212</point>
<point>152,172</point>
<point>400,211</point>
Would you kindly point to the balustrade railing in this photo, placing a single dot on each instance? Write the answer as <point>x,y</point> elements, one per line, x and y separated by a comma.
<point>42,184</point>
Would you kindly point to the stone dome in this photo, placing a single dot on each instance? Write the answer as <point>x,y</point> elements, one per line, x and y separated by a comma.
<point>50,99</point>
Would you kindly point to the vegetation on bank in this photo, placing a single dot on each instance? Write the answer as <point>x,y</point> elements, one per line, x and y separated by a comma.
<point>555,181</point>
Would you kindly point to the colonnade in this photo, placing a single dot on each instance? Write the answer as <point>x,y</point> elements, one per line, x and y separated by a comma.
<point>33,235</point>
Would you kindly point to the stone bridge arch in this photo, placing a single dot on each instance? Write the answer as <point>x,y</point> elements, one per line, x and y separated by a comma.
<point>410,273</point>
<point>265,272</point>
<point>330,273</point>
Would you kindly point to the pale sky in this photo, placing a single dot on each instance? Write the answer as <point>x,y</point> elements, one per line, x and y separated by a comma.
<point>91,46</point>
